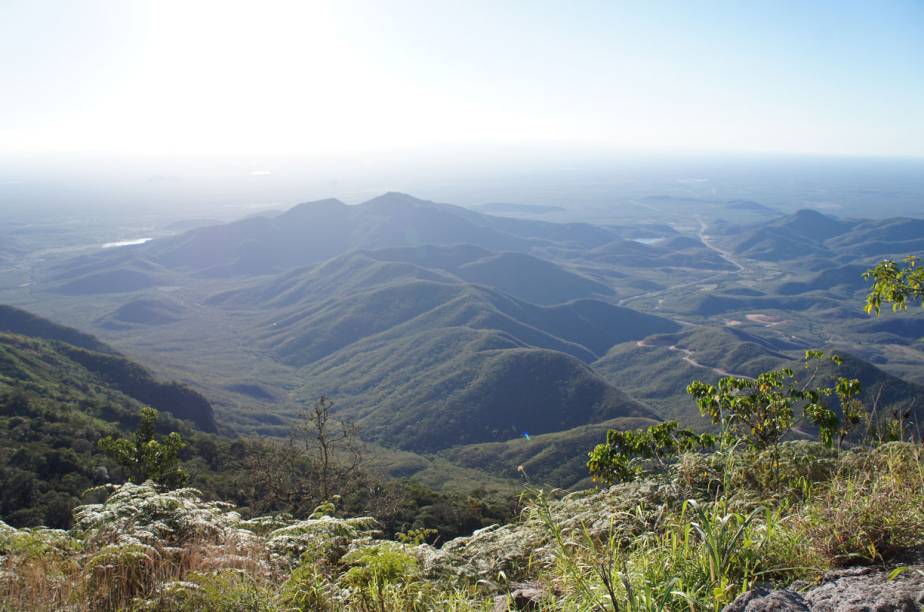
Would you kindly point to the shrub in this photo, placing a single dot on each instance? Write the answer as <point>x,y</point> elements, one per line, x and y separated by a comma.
<point>35,566</point>
<point>227,590</point>
<point>620,458</point>
<point>147,514</point>
<point>322,540</point>
<point>307,589</point>
<point>385,577</point>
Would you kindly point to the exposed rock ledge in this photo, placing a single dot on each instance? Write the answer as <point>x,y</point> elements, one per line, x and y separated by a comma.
<point>857,589</point>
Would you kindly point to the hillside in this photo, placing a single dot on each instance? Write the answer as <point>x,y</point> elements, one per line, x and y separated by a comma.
<point>399,308</point>
<point>317,326</point>
<point>657,370</point>
<point>894,237</point>
<point>144,311</point>
<point>793,236</point>
<point>33,360</point>
<point>56,401</point>
<point>429,391</point>
<point>18,321</point>
<point>423,359</point>
<point>530,279</point>
<point>840,279</point>
<point>678,252</point>
<point>809,233</point>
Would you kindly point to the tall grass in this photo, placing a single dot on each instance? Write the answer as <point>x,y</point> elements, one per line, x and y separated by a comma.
<point>873,508</point>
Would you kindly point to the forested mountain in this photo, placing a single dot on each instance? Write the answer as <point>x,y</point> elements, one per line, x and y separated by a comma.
<point>424,359</point>
<point>18,321</point>
<point>57,400</point>
<point>811,233</point>
<point>312,232</point>
<point>36,350</point>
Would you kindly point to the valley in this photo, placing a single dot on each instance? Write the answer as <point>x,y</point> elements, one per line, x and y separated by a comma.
<point>449,333</point>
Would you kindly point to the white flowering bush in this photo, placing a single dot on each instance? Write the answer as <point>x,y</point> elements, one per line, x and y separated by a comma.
<point>145,514</point>
<point>320,539</point>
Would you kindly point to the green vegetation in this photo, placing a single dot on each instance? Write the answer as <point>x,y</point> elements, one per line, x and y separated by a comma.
<point>146,458</point>
<point>67,425</point>
<point>17,321</point>
<point>617,460</point>
<point>754,412</point>
<point>895,284</point>
<point>677,540</point>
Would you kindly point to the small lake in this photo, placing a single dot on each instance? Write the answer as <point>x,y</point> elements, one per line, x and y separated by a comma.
<point>121,243</point>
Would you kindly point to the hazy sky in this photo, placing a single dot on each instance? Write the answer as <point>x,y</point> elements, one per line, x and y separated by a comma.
<point>191,76</point>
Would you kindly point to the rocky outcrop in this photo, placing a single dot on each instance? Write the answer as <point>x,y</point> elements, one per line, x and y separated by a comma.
<point>856,589</point>
<point>528,596</point>
<point>763,600</point>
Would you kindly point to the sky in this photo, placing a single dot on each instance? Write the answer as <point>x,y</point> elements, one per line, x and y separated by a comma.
<point>194,77</point>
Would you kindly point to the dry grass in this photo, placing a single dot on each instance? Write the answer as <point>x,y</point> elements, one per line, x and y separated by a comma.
<point>873,508</point>
<point>115,576</point>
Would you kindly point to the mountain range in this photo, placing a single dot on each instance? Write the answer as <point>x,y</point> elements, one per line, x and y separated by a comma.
<point>486,341</point>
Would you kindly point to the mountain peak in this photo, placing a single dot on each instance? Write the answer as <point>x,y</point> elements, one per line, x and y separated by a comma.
<point>807,214</point>
<point>396,198</point>
<point>815,225</point>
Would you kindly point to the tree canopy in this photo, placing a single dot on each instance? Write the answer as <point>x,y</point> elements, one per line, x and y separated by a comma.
<point>895,283</point>
<point>144,456</point>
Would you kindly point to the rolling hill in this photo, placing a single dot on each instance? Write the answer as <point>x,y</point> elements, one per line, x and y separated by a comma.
<point>842,279</point>
<point>793,236</point>
<point>424,360</point>
<point>809,233</point>
<point>438,328</point>
<point>427,391</point>
<point>658,370</point>
<point>143,311</point>
<point>558,459</point>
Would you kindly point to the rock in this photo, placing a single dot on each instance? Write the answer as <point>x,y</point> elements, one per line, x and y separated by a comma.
<point>524,597</point>
<point>855,589</point>
<point>869,590</point>
<point>763,600</point>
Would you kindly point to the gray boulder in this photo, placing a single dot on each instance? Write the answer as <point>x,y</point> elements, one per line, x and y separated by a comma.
<point>763,600</point>
<point>856,589</point>
<point>865,589</point>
